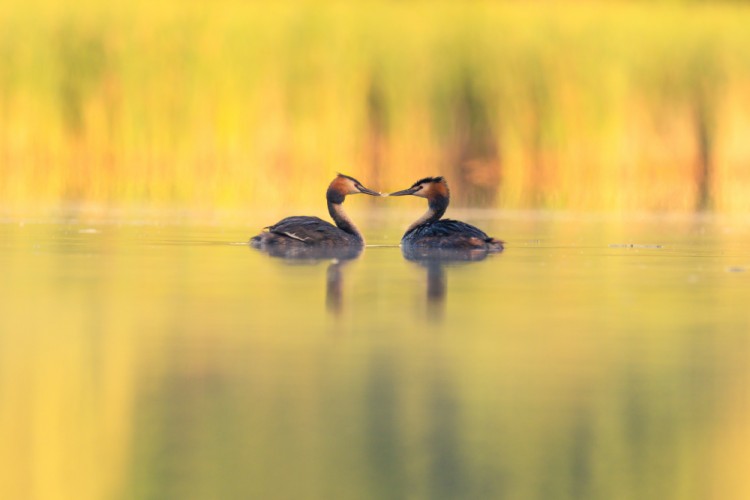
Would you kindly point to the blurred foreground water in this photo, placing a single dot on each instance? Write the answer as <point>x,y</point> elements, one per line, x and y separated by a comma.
<point>597,357</point>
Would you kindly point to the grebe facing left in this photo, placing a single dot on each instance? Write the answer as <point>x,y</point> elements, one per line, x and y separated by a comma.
<point>430,232</point>
<point>303,231</point>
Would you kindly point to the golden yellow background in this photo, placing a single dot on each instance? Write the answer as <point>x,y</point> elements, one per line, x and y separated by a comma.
<point>571,105</point>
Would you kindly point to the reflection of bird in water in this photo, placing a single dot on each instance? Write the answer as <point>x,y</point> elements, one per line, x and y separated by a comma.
<point>435,260</point>
<point>300,254</point>
<point>335,286</point>
<point>339,257</point>
<point>429,231</point>
<point>304,231</point>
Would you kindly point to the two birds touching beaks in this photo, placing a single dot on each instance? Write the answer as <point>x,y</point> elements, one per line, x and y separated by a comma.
<point>428,231</point>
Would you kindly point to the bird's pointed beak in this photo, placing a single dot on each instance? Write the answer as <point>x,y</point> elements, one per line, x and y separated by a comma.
<point>364,190</point>
<point>405,192</point>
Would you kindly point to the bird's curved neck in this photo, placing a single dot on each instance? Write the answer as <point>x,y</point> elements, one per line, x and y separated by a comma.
<point>435,210</point>
<point>342,220</point>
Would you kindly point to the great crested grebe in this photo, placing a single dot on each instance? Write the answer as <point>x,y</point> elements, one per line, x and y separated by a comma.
<point>305,231</point>
<point>430,232</point>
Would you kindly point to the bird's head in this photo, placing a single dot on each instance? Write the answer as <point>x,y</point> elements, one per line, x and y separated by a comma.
<point>429,187</point>
<point>344,185</point>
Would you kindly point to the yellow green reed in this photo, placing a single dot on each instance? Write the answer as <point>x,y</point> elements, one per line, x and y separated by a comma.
<point>574,106</point>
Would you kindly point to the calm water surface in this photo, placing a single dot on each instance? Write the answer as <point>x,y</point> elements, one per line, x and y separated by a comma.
<point>597,357</point>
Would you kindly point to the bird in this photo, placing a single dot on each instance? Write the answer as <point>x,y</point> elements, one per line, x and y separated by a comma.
<point>301,231</point>
<point>430,231</point>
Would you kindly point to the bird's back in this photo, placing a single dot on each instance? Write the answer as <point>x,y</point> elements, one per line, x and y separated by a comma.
<point>303,230</point>
<point>448,233</point>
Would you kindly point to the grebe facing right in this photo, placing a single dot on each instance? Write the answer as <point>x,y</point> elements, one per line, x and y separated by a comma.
<point>298,232</point>
<point>429,231</point>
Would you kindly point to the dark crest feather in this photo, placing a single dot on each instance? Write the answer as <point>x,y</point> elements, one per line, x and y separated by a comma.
<point>349,177</point>
<point>428,179</point>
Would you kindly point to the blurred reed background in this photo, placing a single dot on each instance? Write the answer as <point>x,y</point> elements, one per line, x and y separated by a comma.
<point>620,106</point>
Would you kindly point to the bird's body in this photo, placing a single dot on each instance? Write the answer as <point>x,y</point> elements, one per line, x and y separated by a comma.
<point>449,234</point>
<point>430,231</point>
<point>302,231</point>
